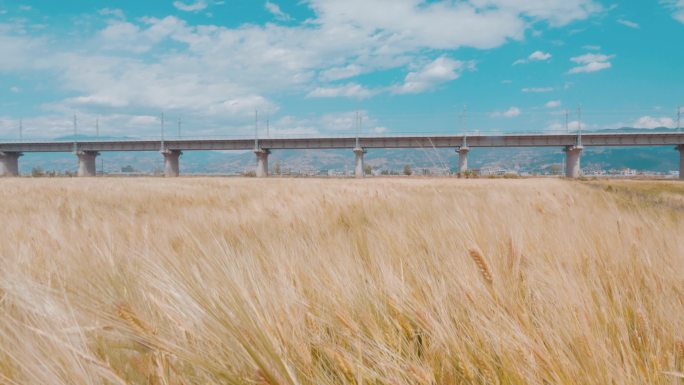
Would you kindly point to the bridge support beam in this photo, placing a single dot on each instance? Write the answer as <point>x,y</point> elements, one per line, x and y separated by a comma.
<point>262,162</point>
<point>171,163</point>
<point>572,161</point>
<point>463,159</point>
<point>9,163</point>
<point>680,148</point>
<point>358,169</point>
<point>86,163</point>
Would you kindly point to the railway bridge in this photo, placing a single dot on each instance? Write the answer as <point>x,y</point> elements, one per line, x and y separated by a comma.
<point>171,149</point>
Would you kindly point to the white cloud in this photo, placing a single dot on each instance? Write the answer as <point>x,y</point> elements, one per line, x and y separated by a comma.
<point>591,63</point>
<point>437,72</point>
<point>512,112</point>
<point>572,126</point>
<point>539,56</point>
<point>221,74</point>
<point>117,13</point>
<point>335,123</point>
<point>338,73</point>
<point>553,104</point>
<point>556,12</point>
<point>191,7</point>
<point>628,23</point>
<point>677,8</point>
<point>534,56</point>
<point>537,89</point>
<point>274,9</point>
<point>653,122</point>
<point>351,90</point>
<point>592,47</point>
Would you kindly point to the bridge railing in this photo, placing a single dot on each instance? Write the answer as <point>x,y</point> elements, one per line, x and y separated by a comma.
<point>387,134</point>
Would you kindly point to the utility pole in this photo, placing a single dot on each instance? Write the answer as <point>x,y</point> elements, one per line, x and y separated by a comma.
<point>579,125</point>
<point>464,118</point>
<point>179,127</point>
<point>162,131</point>
<point>21,130</point>
<point>97,127</point>
<point>579,117</point>
<point>679,117</point>
<point>75,134</point>
<point>256,129</point>
<point>268,118</point>
<point>567,128</point>
<point>357,129</point>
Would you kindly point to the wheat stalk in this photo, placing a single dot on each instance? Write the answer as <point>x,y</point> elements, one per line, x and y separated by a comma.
<point>481,263</point>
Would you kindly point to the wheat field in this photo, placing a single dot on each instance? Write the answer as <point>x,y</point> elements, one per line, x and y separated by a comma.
<point>332,281</point>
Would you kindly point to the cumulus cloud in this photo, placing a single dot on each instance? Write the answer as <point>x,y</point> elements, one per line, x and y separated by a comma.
<point>338,123</point>
<point>677,8</point>
<point>114,12</point>
<point>653,122</point>
<point>628,23</point>
<point>553,104</point>
<point>537,89</point>
<point>217,72</point>
<point>351,90</point>
<point>591,63</point>
<point>275,10</point>
<point>338,73</point>
<point>534,56</point>
<point>512,112</point>
<point>572,126</point>
<point>190,7</point>
<point>439,71</point>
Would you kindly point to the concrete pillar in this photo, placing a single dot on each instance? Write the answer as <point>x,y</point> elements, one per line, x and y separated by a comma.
<point>572,161</point>
<point>171,163</point>
<point>463,159</point>
<point>358,170</point>
<point>86,162</point>
<point>680,148</point>
<point>262,162</point>
<point>9,163</point>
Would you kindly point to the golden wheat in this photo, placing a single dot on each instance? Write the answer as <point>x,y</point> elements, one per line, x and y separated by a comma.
<point>281,281</point>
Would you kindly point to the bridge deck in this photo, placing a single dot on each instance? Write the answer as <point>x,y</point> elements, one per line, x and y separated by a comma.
<point>527,140</point>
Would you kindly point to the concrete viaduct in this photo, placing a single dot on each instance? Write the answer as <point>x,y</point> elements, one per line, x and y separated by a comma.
<point>171,150</point>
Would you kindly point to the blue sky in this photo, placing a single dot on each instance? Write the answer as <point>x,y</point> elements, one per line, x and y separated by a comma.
<point>308,66</point>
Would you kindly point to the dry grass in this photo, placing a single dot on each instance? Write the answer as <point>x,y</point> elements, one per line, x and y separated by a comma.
<point>242,281</point>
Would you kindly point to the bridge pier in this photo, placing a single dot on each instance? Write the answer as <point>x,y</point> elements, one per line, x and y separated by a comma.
<point>262,162</point>
<point>171,163</point>
<point>86,163</point>
<point>463,159</point>
<point>680,148</point>
<point>9,163</point>
<point>572,161</point>
<point>358,169</point>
